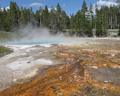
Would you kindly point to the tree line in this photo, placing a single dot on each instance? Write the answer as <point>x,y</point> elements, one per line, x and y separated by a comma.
<point>57,20</point>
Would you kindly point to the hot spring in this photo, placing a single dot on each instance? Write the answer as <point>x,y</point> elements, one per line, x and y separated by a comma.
<point>36,42</point>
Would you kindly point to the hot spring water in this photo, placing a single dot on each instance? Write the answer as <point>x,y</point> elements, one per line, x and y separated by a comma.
<point>36,42</point>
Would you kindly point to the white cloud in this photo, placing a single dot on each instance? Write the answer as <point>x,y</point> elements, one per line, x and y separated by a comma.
<point>33,5</point>
<point>36,4</point>
<point>6,8</point>
<point>104,3</point>
<point>64,5</point>
<point>49,9</point>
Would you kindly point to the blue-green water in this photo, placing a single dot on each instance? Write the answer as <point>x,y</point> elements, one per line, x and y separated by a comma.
<point>36,42</point>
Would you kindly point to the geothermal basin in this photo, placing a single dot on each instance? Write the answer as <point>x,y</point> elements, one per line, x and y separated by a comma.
<point>76,67</point>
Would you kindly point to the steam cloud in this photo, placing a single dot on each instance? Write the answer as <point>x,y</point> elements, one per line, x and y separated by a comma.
<point>30,35</point>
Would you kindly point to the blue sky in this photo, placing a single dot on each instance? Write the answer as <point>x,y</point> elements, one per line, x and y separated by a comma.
<point>70,6</point>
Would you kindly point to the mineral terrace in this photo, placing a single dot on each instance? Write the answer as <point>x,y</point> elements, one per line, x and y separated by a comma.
<point>88,69</point>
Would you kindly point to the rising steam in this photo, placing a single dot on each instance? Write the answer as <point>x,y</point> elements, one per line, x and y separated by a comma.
<point>30,35</point>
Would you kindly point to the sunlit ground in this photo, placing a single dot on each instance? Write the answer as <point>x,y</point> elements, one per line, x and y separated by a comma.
<point>85,67</point>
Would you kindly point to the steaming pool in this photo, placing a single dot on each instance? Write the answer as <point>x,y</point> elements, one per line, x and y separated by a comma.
<point>36,42</point>
<point>61,40</point>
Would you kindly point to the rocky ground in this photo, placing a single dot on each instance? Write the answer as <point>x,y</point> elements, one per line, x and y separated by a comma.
<point>88,69</point>
<point>21,65</point>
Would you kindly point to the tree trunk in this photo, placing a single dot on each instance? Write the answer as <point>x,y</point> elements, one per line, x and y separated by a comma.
<point>111,22</point>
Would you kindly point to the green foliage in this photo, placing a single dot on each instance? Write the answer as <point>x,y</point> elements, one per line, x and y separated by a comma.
<point>53,19</point>
<point>46,16</point>
<point>63,21</point>
<point>99,30</point>
<point>13,14</point>
<point>4,51</point>
<point>72,21</point>
<point>89,31</point>
<point>119,31</point>
<point>91,8</point>
<point>57,20</point>
<point>84,8</point>
<point>59,10</point>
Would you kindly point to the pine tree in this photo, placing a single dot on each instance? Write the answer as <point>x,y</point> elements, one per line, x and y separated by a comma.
<point>68,22</point>
<point>119,18</point>
<point>78,20</point>
<point>89,31</point>
<point>91,8</point>
<point>63,21</point>
<point>46,17</point>
<point>59,10</point>
<point>53,19</point>
<point>91,15</point>
<point>37,18</point>
<point>98,28</point>
<point>84,8</point>
<point>118,1</point>
<point>25,16</point>
<point>83,11</point>
<point>28,15</point>
<point>40,13</point>
<point>6,25</point>
<point>1,17</point>
<point>14,14</point>
<point>119,23</point>
<point>98,22</point>
<point>119,31</point>
<point>72,23</point>
<point>78,24</point>
<point>104,26</point>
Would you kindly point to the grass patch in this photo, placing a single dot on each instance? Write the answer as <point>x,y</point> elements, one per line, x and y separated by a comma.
<point>4,51</point>
<point>9,36</point>
<point>4,35</point>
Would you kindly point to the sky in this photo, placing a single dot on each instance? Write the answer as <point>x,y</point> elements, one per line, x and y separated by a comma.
<point>70,6</point>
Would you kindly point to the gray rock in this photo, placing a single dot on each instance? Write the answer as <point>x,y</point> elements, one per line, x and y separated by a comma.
<point>74,76</point>
<point>56,91</point>
<point>60,78</point>
<point>71,81</point>
<point>61,68</point>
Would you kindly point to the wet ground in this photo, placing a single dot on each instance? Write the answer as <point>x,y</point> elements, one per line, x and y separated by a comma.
<point>21,65</point>
<point>89,69</point>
